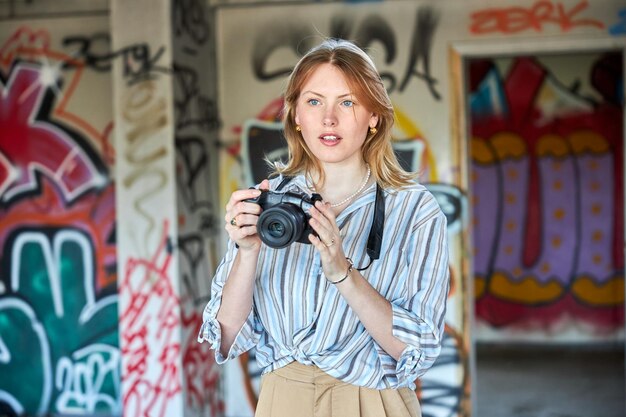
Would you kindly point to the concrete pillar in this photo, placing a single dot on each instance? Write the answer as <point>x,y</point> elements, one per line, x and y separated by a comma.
<point>148,284</point>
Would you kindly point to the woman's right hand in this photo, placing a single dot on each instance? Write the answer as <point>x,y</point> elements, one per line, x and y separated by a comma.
<point>242,216</point>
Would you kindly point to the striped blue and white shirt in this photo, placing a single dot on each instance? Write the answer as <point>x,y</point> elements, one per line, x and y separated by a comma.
<point>298,315</point>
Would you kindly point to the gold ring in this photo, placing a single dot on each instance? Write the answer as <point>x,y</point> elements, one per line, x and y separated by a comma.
<point>233,222</point>
<point>332,242</point>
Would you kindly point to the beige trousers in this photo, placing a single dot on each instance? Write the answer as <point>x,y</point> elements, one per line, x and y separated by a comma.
<point>298,390</point>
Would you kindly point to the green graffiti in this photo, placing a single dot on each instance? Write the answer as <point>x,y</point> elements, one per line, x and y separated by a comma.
<point>55,332</point>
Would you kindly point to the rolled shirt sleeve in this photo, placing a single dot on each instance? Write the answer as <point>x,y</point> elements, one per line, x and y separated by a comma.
<point>418,319</point>
<point>210,331</point>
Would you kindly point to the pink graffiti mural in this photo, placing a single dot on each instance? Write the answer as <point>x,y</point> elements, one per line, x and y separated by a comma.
<point>548,202</point>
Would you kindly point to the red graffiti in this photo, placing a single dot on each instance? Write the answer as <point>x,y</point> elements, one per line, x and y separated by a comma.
<point>33,46</point>
<point>202,375</point>
<point>40,136</point>
<point>151,303</point>
<point>511,20</point>
<point>23,39</point>
<point>32,144</point>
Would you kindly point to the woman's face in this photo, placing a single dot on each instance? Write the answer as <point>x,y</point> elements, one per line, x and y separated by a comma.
<point>333,123</point>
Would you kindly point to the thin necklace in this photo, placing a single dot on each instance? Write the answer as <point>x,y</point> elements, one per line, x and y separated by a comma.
<point>351,196</point>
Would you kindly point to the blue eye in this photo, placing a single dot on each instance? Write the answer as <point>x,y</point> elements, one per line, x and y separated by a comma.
<point>347,103</point>
<point>313,101</point>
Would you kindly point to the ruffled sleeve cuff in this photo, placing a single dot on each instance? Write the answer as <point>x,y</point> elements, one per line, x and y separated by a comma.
<point>412,361</point>
<point>409,365</point>
<point>211,331</point>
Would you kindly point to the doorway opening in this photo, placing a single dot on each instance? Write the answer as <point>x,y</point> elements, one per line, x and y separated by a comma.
<point>544,143</point>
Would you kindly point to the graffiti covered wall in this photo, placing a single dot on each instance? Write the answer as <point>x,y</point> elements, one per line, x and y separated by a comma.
<point>59,234</point>
<point>547,175</point>
<point>57,222</point>
<point>410,43</point>
<point>150,315</point>
<point>196,122</point>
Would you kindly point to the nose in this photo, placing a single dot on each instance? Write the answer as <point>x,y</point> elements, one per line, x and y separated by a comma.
<point>330,118</point>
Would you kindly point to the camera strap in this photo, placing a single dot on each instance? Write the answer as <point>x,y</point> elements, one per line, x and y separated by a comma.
<point>375,238</point>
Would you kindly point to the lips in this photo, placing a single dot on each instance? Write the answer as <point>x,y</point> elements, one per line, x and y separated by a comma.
<point>330,139</point>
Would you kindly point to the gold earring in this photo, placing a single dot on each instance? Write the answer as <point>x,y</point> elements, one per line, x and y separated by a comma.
<point>373,130</point>
<point>298,128</point>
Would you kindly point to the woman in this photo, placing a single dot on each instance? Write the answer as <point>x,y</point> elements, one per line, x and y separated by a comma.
<point>336,333</point>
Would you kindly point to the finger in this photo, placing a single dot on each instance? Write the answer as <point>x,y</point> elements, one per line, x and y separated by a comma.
<point>320,217</point>
<point>245,207</point>
<point>237,234</point>
<point>240,195</point>
<point>327,214</point>
<point>244,220</point>
<point>325,240</point>
<point>246,231</point>
<point>325,209</point>
<point>322,228</point>
<point>317,242</point>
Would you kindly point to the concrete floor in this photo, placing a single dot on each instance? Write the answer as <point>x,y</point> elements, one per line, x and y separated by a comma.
<point>557,382</point>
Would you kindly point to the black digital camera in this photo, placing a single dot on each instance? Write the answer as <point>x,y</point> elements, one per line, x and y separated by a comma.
<point>285,217</point>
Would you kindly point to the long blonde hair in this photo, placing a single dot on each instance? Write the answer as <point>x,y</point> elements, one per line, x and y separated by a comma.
<point>369,89</point>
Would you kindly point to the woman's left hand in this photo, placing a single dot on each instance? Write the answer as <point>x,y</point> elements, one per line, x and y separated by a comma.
<point>329,243</point>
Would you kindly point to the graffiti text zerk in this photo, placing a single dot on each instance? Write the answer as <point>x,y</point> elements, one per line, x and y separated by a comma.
<point>542,13</point>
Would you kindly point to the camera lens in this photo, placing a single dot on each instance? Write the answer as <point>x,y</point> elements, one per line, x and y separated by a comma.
<point>281,225</point>
<point>276,229</point>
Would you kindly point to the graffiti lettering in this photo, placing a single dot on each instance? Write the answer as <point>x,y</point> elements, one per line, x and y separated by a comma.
<point>193,265</point>
<point>138,61</point>
<point>511,20</point>
<point>425,25</point>
<point>42,266</point>
<point>193,161</point>
<point>57,239</point>
<point>24,38</point>
<point>371,29</point>
<point>191,106</point>
<point>52,261</point>
<point>148,289</point>
<point>80,380</point>
<point>54,150</point>
<point>146,116</point>
<point>202,375</point>
<point>196,122</point>
<point>189,18</point>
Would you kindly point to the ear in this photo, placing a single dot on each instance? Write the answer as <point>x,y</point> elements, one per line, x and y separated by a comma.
<point>373,120</point>
<point>296,119</point>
